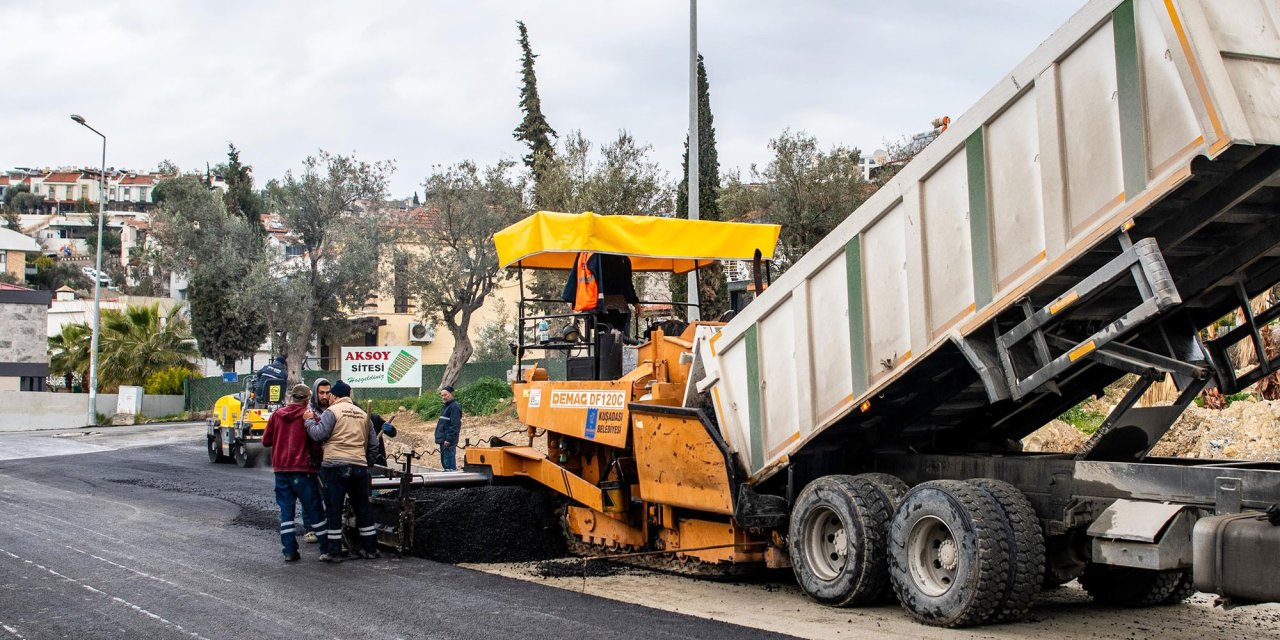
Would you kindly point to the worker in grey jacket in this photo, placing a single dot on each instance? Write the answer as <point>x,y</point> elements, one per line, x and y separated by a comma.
<point>347,435</point>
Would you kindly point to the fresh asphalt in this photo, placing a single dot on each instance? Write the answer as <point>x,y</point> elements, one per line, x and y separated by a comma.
<point>130,532</point>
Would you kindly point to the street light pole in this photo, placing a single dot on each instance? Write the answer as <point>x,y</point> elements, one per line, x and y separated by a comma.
<point>693,312</point>
<point>91,418</point>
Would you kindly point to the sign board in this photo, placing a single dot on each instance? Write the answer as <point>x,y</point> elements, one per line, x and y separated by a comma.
<point>229,376</point>
<point>382,367</point>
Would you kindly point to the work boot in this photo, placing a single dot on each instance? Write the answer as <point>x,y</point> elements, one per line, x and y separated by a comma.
<point>370,555</point>
<point>310,538</point>
<point>292,557</point>
<point>330,557</point>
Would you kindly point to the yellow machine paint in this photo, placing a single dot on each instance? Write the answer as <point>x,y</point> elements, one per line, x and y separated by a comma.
<point>641,478</point>
<point>232,428</point>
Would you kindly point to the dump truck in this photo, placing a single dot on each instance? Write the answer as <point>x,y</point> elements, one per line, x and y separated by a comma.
<point>860,420</point>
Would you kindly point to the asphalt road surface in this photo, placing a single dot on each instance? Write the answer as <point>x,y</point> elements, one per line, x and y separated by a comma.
<point>130,532</point>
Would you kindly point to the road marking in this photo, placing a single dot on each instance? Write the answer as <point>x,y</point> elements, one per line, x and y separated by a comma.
<point>115,599</point>
<point>12,631</point>
<point>195,569</point>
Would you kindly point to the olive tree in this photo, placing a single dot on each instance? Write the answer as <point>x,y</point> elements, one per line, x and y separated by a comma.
<point>334,206</point>
<point>456,266</point>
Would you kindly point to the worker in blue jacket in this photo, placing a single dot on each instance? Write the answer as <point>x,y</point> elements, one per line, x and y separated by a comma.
<point>448,427</point>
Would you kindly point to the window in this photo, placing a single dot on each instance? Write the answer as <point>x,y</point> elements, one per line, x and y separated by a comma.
<point>31,383</point>
<point>292,250</point>
<point>401,284</point>
<point>126,193</point>
<point>142,195</point>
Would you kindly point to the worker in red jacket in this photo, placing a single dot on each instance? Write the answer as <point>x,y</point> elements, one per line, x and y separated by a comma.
<point>296,461</point>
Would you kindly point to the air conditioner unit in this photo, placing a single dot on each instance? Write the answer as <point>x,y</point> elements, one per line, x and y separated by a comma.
<point>422,332</point>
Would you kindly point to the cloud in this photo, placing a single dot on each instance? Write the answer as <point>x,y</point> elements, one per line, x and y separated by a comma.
<point>437,82</point>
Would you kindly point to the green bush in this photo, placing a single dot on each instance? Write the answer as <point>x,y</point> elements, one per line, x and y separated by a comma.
<point>166,382</point>
<point>1082,419</point>
<point>480,398</point>
<point>1242,396</point>
<point>483,397</point>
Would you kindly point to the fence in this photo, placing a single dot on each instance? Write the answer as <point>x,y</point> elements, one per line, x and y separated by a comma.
<point>201,393</point>
<point>32,410</point>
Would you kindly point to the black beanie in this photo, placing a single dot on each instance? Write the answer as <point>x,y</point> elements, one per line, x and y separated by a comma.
<point>340,389</point>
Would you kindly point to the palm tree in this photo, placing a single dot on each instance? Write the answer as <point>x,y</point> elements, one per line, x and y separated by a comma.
<point>69,350</point>
<point>140,341</point>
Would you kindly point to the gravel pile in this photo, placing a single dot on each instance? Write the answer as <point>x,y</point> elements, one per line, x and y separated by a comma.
<point>499,523</point>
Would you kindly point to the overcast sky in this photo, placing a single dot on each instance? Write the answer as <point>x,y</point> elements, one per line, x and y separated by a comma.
<point>428,83</point>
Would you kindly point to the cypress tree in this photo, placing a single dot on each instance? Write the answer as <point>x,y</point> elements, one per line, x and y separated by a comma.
<point>240,199</point>
<point>533,130</point>
<point>713,293</point>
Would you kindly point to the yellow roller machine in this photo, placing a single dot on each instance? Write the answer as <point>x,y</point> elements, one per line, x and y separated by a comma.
<point>644,474</point>
<point>239,419</point>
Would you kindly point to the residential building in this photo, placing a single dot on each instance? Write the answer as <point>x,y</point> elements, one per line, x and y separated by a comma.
<point>71,189</point>
<point>24,359</point>
<point>391,315</point>
<point>14,248</point>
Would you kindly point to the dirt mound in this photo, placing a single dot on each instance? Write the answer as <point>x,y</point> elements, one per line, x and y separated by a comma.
<point>1055,437</point>
<point>420,435</point>
<point>499,523</point>
<point>1247,429</point>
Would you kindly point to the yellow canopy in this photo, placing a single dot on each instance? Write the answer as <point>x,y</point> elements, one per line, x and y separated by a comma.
<point>550,240</point>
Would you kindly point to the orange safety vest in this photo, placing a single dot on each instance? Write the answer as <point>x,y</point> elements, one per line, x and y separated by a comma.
<point>588,291</point>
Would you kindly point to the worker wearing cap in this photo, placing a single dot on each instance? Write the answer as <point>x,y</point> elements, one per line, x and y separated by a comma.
<point>294,458</point>
<point>346,434</point>
<point>448,427</point>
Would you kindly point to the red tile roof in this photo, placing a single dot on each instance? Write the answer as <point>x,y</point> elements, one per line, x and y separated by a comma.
<point>5,286</point>
<point>63,177</point>
<point>145,179</point>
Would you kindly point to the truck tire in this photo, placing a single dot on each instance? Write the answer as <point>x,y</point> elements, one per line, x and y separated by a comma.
<point>1185,589</point>
<point>892,486</point>
<point>1065,557</point>
<point>1129,587</point>
<point>1026,553</point>
<point>837,538</point>
<point>948,554</point>
<point>215,449</point>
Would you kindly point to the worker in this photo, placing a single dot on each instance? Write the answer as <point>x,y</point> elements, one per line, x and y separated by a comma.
<point>344,430</point>
<point>381,427</point>
<point>320,397</point>
<point>273,371</point>
<point>601,283</point>
<point>294,459</point>
<point>448,428</point>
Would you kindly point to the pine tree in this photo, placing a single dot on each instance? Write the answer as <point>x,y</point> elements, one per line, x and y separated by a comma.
<point>533,129</point>
<point>713,293</point>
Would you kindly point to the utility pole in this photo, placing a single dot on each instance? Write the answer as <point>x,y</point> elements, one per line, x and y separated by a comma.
<point>693,313</point>
<point>91,418</point>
